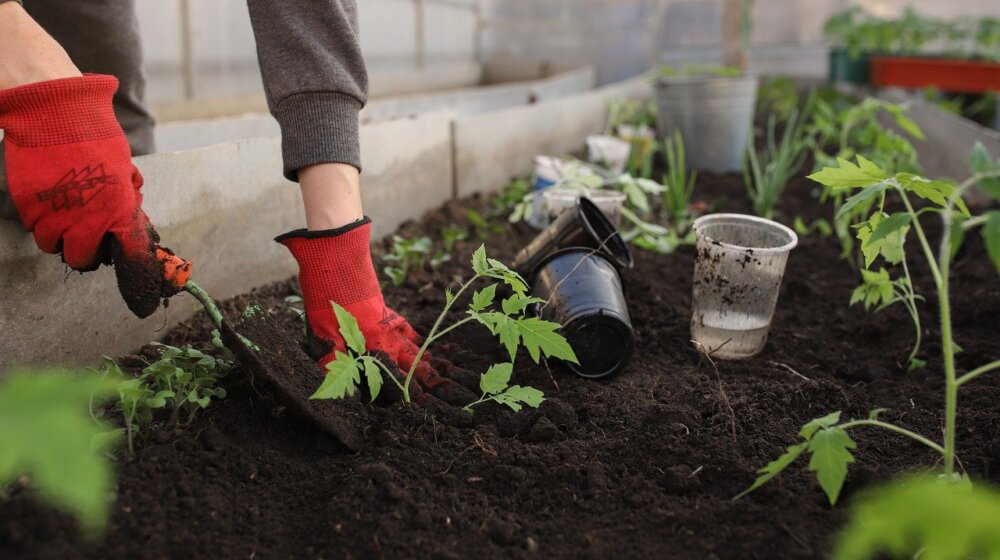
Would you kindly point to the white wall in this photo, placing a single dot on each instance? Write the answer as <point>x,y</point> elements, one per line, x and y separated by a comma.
<point>224,54</point>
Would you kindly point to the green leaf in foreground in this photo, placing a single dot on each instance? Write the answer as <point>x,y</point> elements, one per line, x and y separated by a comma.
<point>540,337</point>
<point>496,378</point>
<point>991,237</point>
<point>349,329</point>
<point>849,175</point>
<point>342,377</point>
<point>47,434</point>
<point>812,426</point>
<point>857,200</point>
<point>516,397</point>
<point>479,263</point>
<point>373,376</point>
<point>923,518</point>
<point>495,384</point>
<point>483,298</point>
<point>828,444</point>
<point>830,457</point>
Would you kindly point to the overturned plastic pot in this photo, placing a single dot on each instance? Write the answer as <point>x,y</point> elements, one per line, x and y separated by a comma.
<point>584,295</point>
<point>585,226</point>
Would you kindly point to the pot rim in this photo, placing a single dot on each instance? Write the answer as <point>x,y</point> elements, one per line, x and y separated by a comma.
<point>707,219</point>
<point>703,78</point>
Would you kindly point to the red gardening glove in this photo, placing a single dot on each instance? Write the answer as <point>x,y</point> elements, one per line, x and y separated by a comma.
<point>70,175</point>
<point>336,265</point>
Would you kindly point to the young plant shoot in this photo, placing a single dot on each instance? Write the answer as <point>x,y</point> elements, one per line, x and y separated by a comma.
<point>182,381</point>
<point>827,439</point>
<point>508,322</point>
<point>679,184</point>
<point>766,174</point>
<point>406,254</point>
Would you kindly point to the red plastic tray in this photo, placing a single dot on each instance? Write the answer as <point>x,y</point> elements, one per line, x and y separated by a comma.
<point>945,74</point>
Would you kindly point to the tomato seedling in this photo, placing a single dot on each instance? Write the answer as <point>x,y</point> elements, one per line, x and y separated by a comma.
<point>826,439</point>
<point>509,322</point>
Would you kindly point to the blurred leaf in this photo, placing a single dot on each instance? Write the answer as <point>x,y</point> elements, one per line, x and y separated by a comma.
<point>923,518</point>
<point>47,434</point>
<point>991,237</point>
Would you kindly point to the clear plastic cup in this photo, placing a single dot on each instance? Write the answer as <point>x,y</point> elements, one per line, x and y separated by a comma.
<point>610,202</point>
<point>557,200</point>
<point>608,151</point>
<point>737,276</point>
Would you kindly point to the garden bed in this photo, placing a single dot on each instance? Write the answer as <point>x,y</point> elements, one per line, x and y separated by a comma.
<point>643,465</point>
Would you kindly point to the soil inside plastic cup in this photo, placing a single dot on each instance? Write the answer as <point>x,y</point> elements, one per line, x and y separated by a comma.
<point>738,270</point>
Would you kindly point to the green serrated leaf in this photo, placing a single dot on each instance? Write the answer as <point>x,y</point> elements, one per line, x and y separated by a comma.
<point>525,395</point>
<point>506,329</point>
<point>891,246</point>
<point>496,378</point>
<point>341,379</point>
<point>827,421</point>
<point>775,467</point>
<point>480,264</point>
<point>373,376</point>
<point>830,449</point>
<point>348,327</point>
<point>517,303</point>
<point>849,175</point>
<point>889,225</point>
<point>857,200</point>
<point>540,337</point>
<point>482,299</point>
<point>514,405</point>
<point>991,238</point>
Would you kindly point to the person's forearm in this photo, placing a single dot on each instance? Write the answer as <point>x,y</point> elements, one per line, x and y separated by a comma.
<point>29,54</point>
<point>331,194</point>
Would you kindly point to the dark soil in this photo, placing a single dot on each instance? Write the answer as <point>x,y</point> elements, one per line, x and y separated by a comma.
<point>643,465</point>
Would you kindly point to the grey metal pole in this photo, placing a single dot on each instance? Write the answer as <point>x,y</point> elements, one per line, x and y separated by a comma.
<point>419,30</point>
<point>187,49</point>
<point>477,48</point>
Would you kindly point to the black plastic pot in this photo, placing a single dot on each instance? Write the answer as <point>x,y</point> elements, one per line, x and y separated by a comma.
<point>587,226</point>
<point>584,295</point>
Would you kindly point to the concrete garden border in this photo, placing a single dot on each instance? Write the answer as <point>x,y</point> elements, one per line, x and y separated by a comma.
<point>221,205</point>
<point>950,137</point>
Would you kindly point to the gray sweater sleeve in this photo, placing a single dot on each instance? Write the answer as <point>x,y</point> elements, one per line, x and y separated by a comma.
<point>314,77</point>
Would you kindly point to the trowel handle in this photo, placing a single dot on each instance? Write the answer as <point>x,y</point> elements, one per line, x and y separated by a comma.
<point>176,270</point>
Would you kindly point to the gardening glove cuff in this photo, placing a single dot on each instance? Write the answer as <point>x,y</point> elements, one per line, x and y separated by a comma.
<point>70,175</point>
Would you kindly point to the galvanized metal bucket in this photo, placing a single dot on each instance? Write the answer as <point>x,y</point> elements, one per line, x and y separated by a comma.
<point>715,115</point>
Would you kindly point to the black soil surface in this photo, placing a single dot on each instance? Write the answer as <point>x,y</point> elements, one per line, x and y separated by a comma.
<point>643,465</point>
